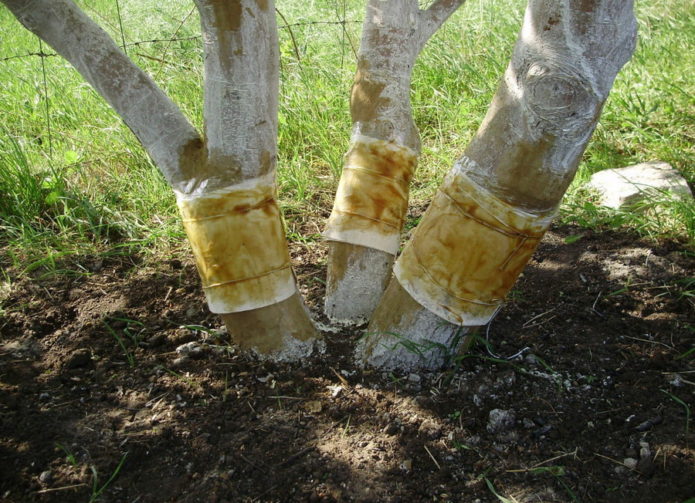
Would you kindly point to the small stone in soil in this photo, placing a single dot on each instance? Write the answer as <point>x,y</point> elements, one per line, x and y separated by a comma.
<point>414,378</point>
<point>531,359</point>
<point>45,477</point>
<point>179,361</point>
<point>500,420</point>
<point>630,463</point>
<point>191,349</point>
<point>649,423</point>
<point>542,431</point>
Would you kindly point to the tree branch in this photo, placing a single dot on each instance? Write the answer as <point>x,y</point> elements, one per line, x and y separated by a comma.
<point>435,16</point>
<point>241,86</point>
<point>157,122</point>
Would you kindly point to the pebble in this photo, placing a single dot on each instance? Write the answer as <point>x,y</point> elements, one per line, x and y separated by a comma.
<point>531,359</point>
<point>675,380</point>
<point>179,361</point>
<point>45,477</point>
<point>430,429</point>
<point>191,349</point>
<point>44,396</point>
<point>500,420</point>
<point>649,423</point>
<point>414,378</point>
<point>542,431</point>
<point>631,463</point>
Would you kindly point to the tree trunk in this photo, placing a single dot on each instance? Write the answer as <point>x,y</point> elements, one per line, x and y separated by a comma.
<point>372,200</point>
<point>230,208</point>
<point>225,184</point>
<point>494,206</point>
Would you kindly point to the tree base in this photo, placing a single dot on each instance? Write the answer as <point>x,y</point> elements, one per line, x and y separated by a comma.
<point>357,276</point>
<point>279,332</point>
<point>405,336</point>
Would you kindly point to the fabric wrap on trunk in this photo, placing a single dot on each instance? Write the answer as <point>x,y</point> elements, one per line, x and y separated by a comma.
<point>239,244</point>
<point>468,251</point>
<point>372,198</point>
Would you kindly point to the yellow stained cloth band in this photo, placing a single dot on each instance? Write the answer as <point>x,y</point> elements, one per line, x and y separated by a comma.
<point>372,199</point>
<point>240,249</point>
<point>468,251</point>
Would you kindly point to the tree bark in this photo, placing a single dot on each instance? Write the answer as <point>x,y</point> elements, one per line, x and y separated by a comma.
<point>371,204</point>
<point>497,201</point>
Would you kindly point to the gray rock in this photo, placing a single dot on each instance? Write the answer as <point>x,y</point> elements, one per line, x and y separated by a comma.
<point>414,378</point>
<point>191,349</point>
<point>179,361</point>
<point>500,420</point>
<point>531,359</point>
<point>528,424</point>
<point>45,477</point>
<point>625,187</point>
<point>631,463</point>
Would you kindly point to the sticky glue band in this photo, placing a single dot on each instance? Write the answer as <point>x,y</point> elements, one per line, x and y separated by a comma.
<point>372,199</point>
<point>468,251</point>
<point>239,246</point>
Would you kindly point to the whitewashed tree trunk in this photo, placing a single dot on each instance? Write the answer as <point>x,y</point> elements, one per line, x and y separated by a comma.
<point>372,199</point>
<point>494,206</point>
<point>224,181</point>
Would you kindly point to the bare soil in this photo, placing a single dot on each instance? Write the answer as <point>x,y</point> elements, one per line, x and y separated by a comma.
<point>97,404</point>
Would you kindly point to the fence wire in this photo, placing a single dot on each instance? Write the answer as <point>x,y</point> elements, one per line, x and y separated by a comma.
<point>124,45</point>
<point>340,10</point>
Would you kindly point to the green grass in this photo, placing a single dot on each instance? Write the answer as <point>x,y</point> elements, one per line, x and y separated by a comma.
<point>76,182</point>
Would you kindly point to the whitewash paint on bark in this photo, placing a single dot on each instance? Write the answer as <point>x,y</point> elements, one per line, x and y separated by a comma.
<point>525,153</point>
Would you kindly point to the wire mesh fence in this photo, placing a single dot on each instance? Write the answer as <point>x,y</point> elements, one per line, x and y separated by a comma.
<point>298,37</point>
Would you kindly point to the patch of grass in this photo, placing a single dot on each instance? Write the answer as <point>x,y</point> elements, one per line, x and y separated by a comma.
<point>69,456</point>
<point>685,406</point>
<point>130,357</point>
<point>96,192</point>
<point>98,491</point>
<point>493,490</point>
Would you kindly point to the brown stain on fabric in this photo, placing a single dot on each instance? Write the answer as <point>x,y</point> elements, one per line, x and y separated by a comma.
<point>469,249</point>
<point>373,189</point>
<point>239,246</point>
